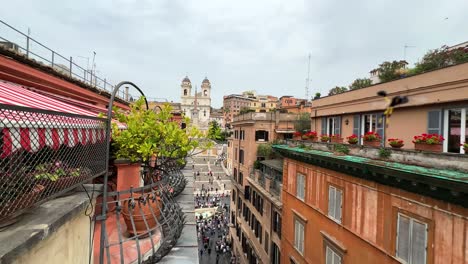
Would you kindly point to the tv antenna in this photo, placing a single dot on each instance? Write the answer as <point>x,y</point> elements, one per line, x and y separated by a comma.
<point>307,80</point>
<point>404,50</point>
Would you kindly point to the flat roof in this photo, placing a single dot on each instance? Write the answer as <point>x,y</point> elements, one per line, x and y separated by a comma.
<point>276,164</point>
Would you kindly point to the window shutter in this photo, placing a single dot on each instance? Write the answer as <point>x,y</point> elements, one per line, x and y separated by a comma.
<point>357,125</point>
<point>324,125</point>
<point>380,127</point>
<point>434,122</point>
<point>337,125</point>
<point>338,200</point>
<point>331,201</point>
<point>403,237</point>
<point>418,243</point>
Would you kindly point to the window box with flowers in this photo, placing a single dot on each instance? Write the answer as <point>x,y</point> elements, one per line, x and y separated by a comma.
<point>297,135</point>
<point>336,138</point>
<point>396,142</point>
<point>324,138</point>
<point>353,139</point>
<point>465,147</point>
<point>372,139</point>
<point>311,136</point>
<point>428,142</point>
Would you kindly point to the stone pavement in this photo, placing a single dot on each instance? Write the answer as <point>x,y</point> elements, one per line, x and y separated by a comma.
<point>186,249</point>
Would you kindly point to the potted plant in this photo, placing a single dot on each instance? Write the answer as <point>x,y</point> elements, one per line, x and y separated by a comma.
<point>371,139</point>
<point>297,135</point>
<point>145,209</point>
<point>353,139</point>
<point>336,138</point>
<point>396,142</point>
<point>58,175</point>
<point>15,195</point>
<point>312,136</point>
<point>324,138</point>
<point>465,147</point>
<point>133,144</point>
<point>428,142</point>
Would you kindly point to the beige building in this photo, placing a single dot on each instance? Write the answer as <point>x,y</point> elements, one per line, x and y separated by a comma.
<point>196,105</point>
<point>234,104</point>
<point>256,202</point>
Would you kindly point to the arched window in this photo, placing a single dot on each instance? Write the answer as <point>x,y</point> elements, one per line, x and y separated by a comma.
<point>205,92</point>
<point>185,91</point>
<point>204,112</point>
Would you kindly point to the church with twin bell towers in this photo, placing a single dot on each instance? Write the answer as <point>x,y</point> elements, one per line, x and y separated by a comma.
<point>197,106</point>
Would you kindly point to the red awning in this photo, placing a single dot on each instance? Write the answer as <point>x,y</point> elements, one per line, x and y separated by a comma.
<point>14,94</point>
<point>31,132</point>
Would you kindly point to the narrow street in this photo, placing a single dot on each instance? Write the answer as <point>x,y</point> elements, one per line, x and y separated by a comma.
<point>211,198</point>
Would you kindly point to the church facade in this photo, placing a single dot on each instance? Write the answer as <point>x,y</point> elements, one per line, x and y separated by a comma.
<point>196,106</point>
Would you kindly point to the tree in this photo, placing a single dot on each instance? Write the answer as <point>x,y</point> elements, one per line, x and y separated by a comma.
<point>389,71</point>
<point>439,58</point>
<point>302,123</point>
<point>337,90</point>
<point>360,83</point>
<point>214,132</point>
<point>264,150</point>
<point>149,133</point>
<point>317,96</point>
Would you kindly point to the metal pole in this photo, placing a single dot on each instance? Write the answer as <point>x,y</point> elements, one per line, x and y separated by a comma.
<point>53,55</point>
<point>27,46</point>
<point>71,63</point>
<point>104,83</point>
<point>103,215</point>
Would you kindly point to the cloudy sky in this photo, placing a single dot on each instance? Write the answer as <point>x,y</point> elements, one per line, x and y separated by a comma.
<point>239,45</point>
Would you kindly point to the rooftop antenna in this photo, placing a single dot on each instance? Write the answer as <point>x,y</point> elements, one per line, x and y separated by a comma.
<point>404,50</point>
<point>307,80</point>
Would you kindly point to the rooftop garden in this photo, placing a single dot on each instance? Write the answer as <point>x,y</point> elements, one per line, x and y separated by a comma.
<point>391,168</point>
<point>394,70</point>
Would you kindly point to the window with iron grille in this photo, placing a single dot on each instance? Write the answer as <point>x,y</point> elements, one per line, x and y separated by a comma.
<point>411,241</point>
<point>335,203</point>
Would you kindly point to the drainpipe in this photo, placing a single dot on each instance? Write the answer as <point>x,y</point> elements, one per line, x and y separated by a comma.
<point>315,120</point>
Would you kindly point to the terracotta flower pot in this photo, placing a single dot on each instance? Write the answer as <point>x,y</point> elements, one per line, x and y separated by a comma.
<point>22,201</point>
<point>336,140</point>
<point>466,150</point>
<point>352,142</point>
<point>314,139</point>
<point>128,175</point>
<point>372,143</point>
<point>146,208</point>
<point>428,147</point>
<point>397,146</point>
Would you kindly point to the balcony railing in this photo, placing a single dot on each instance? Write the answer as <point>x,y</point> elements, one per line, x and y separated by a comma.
<point>21,44</point>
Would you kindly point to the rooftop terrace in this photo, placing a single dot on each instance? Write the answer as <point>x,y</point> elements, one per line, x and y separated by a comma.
<point>442,180</point>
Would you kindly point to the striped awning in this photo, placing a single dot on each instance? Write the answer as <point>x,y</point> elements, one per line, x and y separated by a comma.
<point>31,131</point>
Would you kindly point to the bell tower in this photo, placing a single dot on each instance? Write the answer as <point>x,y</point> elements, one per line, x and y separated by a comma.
<point>206,88</point>
<point>186,87</point>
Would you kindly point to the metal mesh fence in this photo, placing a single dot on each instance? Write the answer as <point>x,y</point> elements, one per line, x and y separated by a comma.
<point>44,154</point>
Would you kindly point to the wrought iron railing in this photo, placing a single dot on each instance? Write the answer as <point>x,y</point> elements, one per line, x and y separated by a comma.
<point>44,154</point>
<point>22,44</point>
<point>160,218</point>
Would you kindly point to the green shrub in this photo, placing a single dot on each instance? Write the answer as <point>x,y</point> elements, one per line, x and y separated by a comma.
<point>341,149</point>
<point>384,153</point>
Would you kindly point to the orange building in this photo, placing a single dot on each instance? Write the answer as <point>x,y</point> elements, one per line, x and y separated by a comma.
<point>362,204</point>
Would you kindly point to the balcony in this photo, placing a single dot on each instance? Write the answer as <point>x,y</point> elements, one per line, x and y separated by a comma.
<point>270,116</point>
<point>268,180</point>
